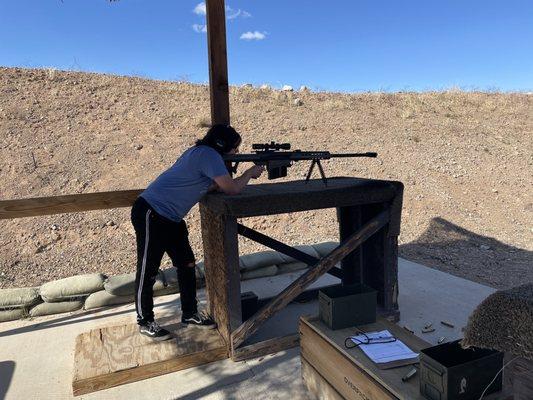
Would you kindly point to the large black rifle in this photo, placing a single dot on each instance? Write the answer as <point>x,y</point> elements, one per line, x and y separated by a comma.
<point>276,158</point>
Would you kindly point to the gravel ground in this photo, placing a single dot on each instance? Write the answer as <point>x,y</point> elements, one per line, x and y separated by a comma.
<point>466,160</point>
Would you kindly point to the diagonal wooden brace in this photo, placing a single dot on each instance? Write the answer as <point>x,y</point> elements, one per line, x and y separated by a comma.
<point>249,327</point>
<point>276,245</point>
<point>283,248</point>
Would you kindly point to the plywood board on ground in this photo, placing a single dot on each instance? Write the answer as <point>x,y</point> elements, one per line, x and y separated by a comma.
<point>111,356</point>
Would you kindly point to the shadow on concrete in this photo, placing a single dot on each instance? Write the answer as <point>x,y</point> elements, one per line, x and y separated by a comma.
<point>75,318</point>
<point>7,370</point>
<point>269,376</point>
<point>458,251</point>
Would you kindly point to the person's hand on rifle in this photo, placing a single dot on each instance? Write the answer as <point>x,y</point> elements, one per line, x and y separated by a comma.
<point>229,185</point>
<point>256,171</point>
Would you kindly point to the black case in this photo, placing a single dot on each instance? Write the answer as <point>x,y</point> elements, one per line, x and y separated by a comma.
<point>449,372</point>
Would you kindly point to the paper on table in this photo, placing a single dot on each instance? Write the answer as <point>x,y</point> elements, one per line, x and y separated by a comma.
<point>382,349</point>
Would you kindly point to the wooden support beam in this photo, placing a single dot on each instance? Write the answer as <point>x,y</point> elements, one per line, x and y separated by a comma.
<point>283,248</point>
<point>266,347</point>
<point>218,61</point>
<point>352,265</point>
<point>276,245</point>
<point>10,209</point>
<point>222,275</point>
<point>295,288</point>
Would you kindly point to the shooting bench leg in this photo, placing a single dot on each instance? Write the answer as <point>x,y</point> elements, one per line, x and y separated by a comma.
<point>295,288</point>
<point>222,275</point>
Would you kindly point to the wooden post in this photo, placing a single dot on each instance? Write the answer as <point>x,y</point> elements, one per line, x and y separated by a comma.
<point>222,275</point>
<point>349,222</point>
<point>380,261</point>
<point>218,61</point>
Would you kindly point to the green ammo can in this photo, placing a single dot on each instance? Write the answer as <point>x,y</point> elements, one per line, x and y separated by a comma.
<point>344,306</point>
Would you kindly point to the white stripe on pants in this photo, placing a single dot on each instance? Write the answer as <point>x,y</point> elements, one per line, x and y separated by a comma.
<point>143,268</point>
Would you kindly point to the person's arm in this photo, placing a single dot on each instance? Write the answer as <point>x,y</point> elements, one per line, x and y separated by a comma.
<point>234,186</point>
<point>214,187</point>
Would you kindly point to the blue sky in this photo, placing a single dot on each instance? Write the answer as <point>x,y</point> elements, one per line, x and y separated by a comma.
<point>345,45</point>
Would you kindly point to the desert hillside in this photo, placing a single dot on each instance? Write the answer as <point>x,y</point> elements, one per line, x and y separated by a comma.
<point>465,159</point>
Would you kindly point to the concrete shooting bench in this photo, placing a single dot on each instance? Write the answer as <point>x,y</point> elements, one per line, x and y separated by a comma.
<point>368,214</point>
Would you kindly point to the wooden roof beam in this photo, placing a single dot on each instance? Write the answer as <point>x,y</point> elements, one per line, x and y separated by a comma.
<point>218,61</point>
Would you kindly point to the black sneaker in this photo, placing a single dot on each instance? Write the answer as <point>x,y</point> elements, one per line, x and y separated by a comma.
<point>199,320</point>
<point>154,331</point>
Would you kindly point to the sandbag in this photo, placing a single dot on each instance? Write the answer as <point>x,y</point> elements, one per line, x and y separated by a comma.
<point>323,249</point>
<point>249,262</point>
<point>120,285</point>
<point>270,270</point>
<point>291,267</point>
<point>200,270</point>
<point>168,290</point>
<point>55,308</point>
<point>124,285</point>
<point>307,249</point>
<point>104,298</point>
<point>72,287</point>
<point>11,315</point>
<point>19,298</point>
<point>168,278</point>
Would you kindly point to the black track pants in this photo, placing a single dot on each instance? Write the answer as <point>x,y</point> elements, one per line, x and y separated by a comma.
<point>155,236</point>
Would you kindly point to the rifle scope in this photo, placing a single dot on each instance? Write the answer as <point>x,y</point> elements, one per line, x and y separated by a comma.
<point>271,146</point>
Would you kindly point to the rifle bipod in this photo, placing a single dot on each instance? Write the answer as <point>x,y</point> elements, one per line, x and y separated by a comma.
<point>322,175</point>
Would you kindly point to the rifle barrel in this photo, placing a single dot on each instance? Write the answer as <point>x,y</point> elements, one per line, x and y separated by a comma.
<point>368,154</point>
<point>293,155</point>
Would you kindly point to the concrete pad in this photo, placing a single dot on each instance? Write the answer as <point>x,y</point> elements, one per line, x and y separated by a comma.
<point>431,296</point>
<point>36,356</point>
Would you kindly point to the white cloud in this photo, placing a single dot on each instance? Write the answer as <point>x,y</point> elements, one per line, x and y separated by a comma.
<point>232,14</point>
<point>253,35</point>
<point>200,9</point>
<point>199,28</point>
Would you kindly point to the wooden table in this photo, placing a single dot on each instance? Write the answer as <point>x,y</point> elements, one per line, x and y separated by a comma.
<point>329,367</point>
<point>359,202</point>
<point>331,371</point>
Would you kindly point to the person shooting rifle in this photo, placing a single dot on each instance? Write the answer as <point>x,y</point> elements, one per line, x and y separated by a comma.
<point>157,216</point>
<point>276,158</point>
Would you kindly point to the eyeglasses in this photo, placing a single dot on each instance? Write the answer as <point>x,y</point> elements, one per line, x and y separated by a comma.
<point>363,338</point>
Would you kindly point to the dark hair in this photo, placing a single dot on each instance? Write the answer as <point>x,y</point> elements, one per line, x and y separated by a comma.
<point>220,137</point>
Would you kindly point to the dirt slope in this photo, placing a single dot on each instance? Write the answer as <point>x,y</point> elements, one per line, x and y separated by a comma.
<point>465,158</point>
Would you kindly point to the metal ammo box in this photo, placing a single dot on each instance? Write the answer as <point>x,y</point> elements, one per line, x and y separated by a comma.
<point>344,306</point>
<point>449,372</point>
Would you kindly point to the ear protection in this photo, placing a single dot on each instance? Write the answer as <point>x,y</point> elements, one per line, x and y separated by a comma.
<point>221,144</point>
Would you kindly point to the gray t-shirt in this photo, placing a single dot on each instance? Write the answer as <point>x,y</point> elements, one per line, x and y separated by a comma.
<point>173,193</point>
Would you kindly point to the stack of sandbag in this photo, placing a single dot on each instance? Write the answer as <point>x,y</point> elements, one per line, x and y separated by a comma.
<point>323,249</point>
<point>120,289</point>
<point>270,262</point>
<point>68,294</point>
<point>261,264</point>
<point>95,290</point>
<point>16,303</point>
